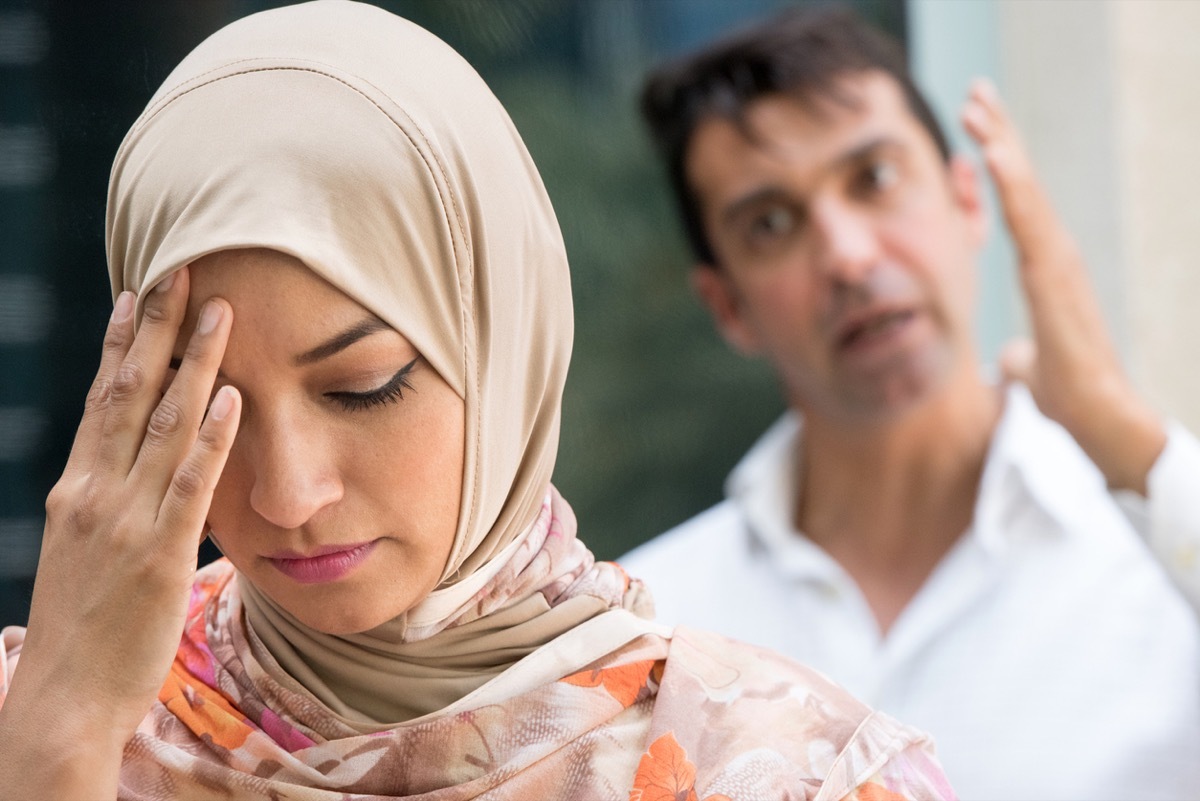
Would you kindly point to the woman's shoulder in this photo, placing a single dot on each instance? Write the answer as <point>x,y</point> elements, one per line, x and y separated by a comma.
<point>746,720</point>
<point>738,673</point>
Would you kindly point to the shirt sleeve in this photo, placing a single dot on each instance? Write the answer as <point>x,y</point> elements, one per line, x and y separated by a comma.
<point>1169,517</point>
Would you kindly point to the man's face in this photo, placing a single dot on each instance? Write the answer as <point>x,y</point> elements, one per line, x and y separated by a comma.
<point>845,244</point>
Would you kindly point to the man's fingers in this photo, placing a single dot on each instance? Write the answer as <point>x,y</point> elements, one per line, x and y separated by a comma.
<point>1027,210</point>
<point>172,426</point>
<point>137,382</point>
<point>977,121</point>
<point>1018,361</point>
<point>185,506</point>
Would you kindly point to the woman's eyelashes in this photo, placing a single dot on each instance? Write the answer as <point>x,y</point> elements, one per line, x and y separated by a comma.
<point>390,392</point>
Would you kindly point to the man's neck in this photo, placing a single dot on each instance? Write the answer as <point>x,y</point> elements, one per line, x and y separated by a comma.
<point>888,500</point>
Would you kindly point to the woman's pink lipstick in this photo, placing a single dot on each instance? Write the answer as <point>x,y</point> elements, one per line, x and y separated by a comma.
<point>327,564</point>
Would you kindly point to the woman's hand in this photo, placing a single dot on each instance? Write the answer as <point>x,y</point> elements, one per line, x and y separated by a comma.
<point>1071,366</point>
<point>123,526</point>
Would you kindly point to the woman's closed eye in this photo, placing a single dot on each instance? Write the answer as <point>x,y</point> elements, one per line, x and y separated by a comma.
<point>391,392</point>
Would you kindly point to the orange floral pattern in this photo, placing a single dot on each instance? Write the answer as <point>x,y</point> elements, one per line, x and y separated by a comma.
<point>685,717</point>
<point>196,704</point>
<point>625,683</point>
<point>870,791</point>
<point>665,774</point>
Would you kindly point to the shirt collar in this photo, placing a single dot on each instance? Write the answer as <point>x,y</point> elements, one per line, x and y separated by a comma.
<point>1032,464</point>
<point>762,485</point>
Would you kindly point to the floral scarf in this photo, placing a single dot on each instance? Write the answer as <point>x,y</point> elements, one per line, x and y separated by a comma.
<point>658,716</point>
<point>684,715</point>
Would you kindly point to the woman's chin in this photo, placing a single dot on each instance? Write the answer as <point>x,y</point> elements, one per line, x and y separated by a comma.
<point>338,608</point>
<point>340,619</point>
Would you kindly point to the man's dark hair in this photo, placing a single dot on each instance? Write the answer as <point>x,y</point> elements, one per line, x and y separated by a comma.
<point>803,52</point>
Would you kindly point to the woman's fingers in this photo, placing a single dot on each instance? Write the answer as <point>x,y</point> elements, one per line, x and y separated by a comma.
<point>172,426</point>
<point>117,339</point>
<point>137,382</point>
<point>190,492</point>
<point>122,532</point>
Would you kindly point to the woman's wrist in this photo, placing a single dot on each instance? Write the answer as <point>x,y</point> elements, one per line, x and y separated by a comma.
<point>50,750</point>
<point>66,774</point>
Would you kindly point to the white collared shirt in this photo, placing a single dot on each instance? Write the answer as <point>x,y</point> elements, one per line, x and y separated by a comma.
<point>1170,520</point>
<point>1048,652</point>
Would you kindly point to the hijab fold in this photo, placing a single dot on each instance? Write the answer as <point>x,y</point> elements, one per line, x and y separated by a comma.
<point>544,588</point>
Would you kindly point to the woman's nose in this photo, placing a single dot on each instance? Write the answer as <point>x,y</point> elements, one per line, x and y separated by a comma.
<point>295,475</point>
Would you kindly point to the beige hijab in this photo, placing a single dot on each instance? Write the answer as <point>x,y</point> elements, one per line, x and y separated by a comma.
<point>362,145</point>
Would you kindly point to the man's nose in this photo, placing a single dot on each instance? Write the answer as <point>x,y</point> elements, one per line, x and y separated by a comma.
<point>847,244</point>
<point>295,474</point>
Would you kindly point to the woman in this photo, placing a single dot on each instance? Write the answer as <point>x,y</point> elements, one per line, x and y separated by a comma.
<point>405,610</point>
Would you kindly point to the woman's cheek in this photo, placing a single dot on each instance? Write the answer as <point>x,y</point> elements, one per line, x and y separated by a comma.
<point>226,501</point>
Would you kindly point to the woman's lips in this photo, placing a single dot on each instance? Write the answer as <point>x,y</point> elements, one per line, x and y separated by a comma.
<point>329,564</point>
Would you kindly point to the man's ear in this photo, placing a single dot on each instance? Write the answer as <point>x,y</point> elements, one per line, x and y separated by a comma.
<point>721,299</point>
<point>967,191</point>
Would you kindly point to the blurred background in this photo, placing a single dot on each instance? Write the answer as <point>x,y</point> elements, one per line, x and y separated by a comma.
<point>657,409</point>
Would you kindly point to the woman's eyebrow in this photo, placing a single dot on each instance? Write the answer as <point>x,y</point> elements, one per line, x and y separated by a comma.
<point>340,342</point>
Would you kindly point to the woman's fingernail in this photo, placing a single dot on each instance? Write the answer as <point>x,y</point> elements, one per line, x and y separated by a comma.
<point>210,315</point>
<point>221,404</point>
<point>165,284</point>
<point>123,308</point>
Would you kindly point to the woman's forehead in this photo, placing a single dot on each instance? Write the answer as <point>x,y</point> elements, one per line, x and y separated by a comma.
<point>269,277</point>
<point>267,288</point>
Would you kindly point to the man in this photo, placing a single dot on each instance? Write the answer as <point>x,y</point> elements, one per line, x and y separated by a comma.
<point>927,538</point>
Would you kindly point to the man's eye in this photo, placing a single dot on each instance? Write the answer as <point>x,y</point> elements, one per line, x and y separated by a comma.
<point>773,223</point>
<point>878,176</point>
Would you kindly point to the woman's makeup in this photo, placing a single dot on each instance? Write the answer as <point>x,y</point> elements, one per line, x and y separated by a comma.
<point>390,392</point>
<point>326,564</point>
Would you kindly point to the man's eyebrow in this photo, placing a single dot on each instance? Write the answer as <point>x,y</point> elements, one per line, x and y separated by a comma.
<point>861,151</point>
<point>855,155</point>
<point>752,199</point>
<point>340,342</point>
